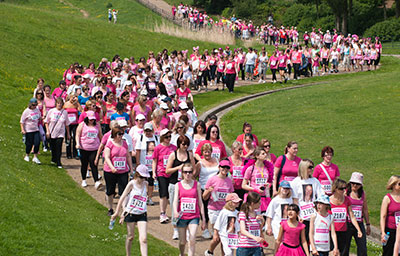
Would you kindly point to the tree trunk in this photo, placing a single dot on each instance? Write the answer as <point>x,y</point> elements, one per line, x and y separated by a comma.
<point>345,18</point>
<point>350,8</point>
<point>317,6</point>
<point>397,8</point>
<point>337,22</point>
<point>384,10</point>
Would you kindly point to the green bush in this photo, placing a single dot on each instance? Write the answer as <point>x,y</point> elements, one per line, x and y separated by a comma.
<point>296,13</point>
<point>227,12</point>
<point>109,5</point>
<point>388,30</point>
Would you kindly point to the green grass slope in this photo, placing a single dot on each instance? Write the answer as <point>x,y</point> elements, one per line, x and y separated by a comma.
<point>356,114</point>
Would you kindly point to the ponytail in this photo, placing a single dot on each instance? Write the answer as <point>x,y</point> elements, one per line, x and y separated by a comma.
<point>252,197</point>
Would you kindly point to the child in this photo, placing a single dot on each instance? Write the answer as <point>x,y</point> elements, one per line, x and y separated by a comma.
<point>227,225</point>
<point>315,64</point>
<point>134,211</point>
<point>291,230</point>
<point>320,223</point>
<point>251,235</point>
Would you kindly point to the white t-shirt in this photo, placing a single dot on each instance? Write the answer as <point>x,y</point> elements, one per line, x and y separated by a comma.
<point>142,143</point>
<point>321,232</point>
<point>251,58</point>
<point>227,221</point>
<point>128,140</point>
<point>306,191</point>
<point>276,208</point>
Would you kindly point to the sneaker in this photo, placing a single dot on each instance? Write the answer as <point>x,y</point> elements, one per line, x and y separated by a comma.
<point>26,158</point>
<point>208,253</point>
<point>110,212</point>
<point>52,162</point>
<point>99,177</point>
<point>98,185</point>
<point>150,202</point>
<point>163,218</point>
<point>199,89</point>
<point>45,149</point>
<point>88,174</point>
<point>36,160</point>
<point>175,236</point>
<point>206,234</point>
<point>84,184</point>
<point>59,167</point>
<point>259,81</point>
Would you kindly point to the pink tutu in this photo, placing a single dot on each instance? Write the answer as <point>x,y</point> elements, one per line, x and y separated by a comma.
<point>287,251</point>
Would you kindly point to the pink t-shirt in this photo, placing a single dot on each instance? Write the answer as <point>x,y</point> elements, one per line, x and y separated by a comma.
<point>89,139</point>
<point>58,92</point>
<point>236,172</point>
<point>30,119</point>
<point>222,187</point>
<point>258,178</point>
<point>188,202</point>
<point>221,66</point>
<point>290,169</point>
<point>139,111</point>
<point>340,214</point>
<point>72,115</point>
<point>105,138</point>
<point>117,157</point>
<point>230,67</point>
<point>282,61</point>
<point>219,151</point>
<point>161,154</point>
<point>333,172</point>
<point>273,62</point>
<point>252,226</point>
<point>57,120</point>
<point>84,115</point>
<point>182,95</point>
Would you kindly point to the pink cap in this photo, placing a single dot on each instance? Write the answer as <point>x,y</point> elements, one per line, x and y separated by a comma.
<point>90,115</point>
<point>357,177</point>
<point>233,197</point>
<point>143,171</point>
<point>225,163</point>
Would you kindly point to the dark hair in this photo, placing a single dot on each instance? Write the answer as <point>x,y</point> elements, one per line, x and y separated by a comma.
<point>124,94</point>
<point>289,145</point>
<point>182,139</point>
<point>44,87</point>
<point>211,117</point>
<point>162,89</point>
<point>86,120</point>
<point>325,150</point>
<point>294,207</point>
<point>360,191</point>
<point>98,93</point>
<point>107,95</point>
<point>249,135</point>
<point>120,106</point>
<point>115,130</point>
<point>209,131</point>
<point>252,197</point>
<point>199,123</point>
<point>184,118</point>
<point>246,124</point>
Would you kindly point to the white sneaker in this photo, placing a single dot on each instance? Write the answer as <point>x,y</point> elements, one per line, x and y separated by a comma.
<point>206,234</point>
<point>36,160</point>
<point>150,202</point>
<point>26,158</point>
<point>99,176</point>
<point>98,185</point>
<point>45,149</point>
<point>260,81</point>
<point>84,184</point>
<point>175,236</point>
<point>88,174</point>
<point>206,253</point>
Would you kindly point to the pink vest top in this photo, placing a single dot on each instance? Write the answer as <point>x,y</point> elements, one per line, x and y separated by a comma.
<point>393,213</point>
<point>188,202</point>
<point>357,207</point>
<point>90,137</point>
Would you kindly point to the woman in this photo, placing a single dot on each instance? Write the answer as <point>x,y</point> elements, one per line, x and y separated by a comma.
<point>341,210</point>
<point>156,121</point>
<point>258,176</point>
<point>72,107</point>
<point>141,108</point>
<point>180,129</point>
<point>188,209</point>
<point>175,163</point>
<point>273,65</point>
<point>111,108</point>
<point>218,147</point>
<point>48,100</point>
<point>282,60</point>
<point>277,209</point>
<point>85,96</point>
<point>57,126</point>
<point>248,146</point>
<point>39,86</point>
<point>117,163</point>
<point>187,72</point>
<point>203,72</point>
<point>326,172</point>
<point>306,189</point>
<point>204,170</point>
<point>287,165</point>
<point>359,205</point>
<point>237,163</point>
<point>263,65</point>
<point>220,72</point>
<point>29,122</point>
<point>266,144</point>
<point>247,128</point>
<point>390,214</point>
<point>199,133</point>
<point>133,201</point>
<point>160,160</point>
<point>183,94</point>
<point>60,91</point>
<point>230,72</point>
<point>88,137</point>
<point>43,112</point>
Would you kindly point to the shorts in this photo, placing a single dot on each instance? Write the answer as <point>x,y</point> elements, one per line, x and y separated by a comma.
<point>187,76</point>
<point>163,184</point>
<point>111,181</point>
<point>213,215</point>
<point>135,218</point>
<point>325,62</point>
<point>184,223</point>
<point>249,68</point>
<point>335,62</point>
<point>224,242</point>
<point>248,251</point>
<point>150,179</point>
<point>282,68</point>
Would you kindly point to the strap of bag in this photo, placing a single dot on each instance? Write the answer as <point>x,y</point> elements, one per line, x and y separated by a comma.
<point>58,118</point>
<point>326,173</point>
<point>280,172</point>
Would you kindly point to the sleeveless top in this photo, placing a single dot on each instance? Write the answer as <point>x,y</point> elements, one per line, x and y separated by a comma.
<point>177,176</point>
<point>206,173</point>
<point>50,103</point>
<point>291,236</point>
<point>188,202</point>
<point>137,200</point>
<point>321,232</point>
<point>393,213</point>
<point>357,207</point>
<point>89,139</point>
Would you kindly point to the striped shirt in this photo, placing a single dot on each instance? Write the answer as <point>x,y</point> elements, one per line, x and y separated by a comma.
<point>252,226</point>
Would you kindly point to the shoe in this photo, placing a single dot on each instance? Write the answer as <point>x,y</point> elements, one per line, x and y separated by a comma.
<point>110,212</point>
<point>69,157</point>
<point>77,158</point>
<point>199,89</point>
<point>88,174</point>
<point>36,160</point>
<point>52,162</point>
<point>99,177</point>
<point>59,167</point>
<point>45,149</point>
<point>84,184</point>
<point>150,202</point>
<point>216,89</point>
<point>163,218</point>
<point>208,253</point>
<point>274,82</point>
<point>175,236</point>
<point>259,81</point>
<point>286,80</point>
<point>26,158</point>
<point>206,234</point>
<point>98,185</point>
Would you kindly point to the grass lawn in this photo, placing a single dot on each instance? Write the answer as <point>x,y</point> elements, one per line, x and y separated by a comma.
<point>356,114</point>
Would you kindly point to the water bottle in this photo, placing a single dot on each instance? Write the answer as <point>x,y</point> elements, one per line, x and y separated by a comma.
<point>78,152</point>
<point>386,238</point>
<point>23,138</point>
<point>156,185</point>
<point>111,225</point>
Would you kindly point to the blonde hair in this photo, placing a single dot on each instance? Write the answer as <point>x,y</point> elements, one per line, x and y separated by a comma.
<point>289,194</point>
<point>392,181</point>
<point>303,168</point>
<point>206,146</point>
<point>230,206</point>
<point>337,183</point>
<point>235,145</point>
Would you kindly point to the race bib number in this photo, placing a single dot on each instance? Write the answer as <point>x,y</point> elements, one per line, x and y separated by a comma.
<point>307,210</point>
<point>282,61</point>
<point>149,162</point>
<point>216,153</point>
<point>233,240</point>
<point>321,236</point>
<point>221,66</point>
<point>357,211</point>
<point>326,186</point>
<point>212,62</point>
<point>273,63</point>
<point>55,116</point>
<point>339,215</point>
<point>139,202</point>
<point>289,178</point>
<point>182,98</point>
<point>229,66</point>
<point>254,230</point>
<point>165,160</point>
<point>222,193</point>
<point>35,116</point>
<point>92,134</point>
<point>120,118</point>
<point>397,217</point>
<point>261,181</point>
<point>188,205</point>
<point>237,172</point>
<point>120,163</point>
<point>152,86</point>
<point>72,118</point>
<point>202,66</point>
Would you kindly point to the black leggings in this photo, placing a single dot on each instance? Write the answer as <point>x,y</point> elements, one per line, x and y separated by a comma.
<point>203,77</point>
<point>211,74</point>
<point>342,238</point>
<point>296,67</point>
<point>289,69</point>
<point>220,77</point>
<point>273,74</point>
<point>71,147</point>
<point>361,242</point>
<point>388,249</point>
<point>32,139</point>
<point>230,81</point>
<point>241,68</point>
<point>88,157</point>
<point>56,149</point>
<point>205,205</point>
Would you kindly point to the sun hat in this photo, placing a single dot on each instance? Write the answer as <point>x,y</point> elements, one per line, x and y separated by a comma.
<point>164,131</point>
<point>148,126</point>
<point>233,197</point>
<point>225,163</point>
<point>324,199</point>
<point>143,171</point>
<point>143,92</point>
<point>90,115</point>
<point>140,117</point>
<point>357,177</point>
<point>86,76</point>
<point>183,105</point>
<point>284,184</point>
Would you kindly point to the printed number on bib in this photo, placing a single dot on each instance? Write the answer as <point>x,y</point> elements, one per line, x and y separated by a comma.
<point>92,134</point>
<point>397,217</point>
<point>273,63</point>
<point>261,181</point>
<point>254,230</point>
<point>229,66</point>
<point>139,202</point>
<point>35,116</point>
<point>321,236</point>
<point>188,205</point>
<point>237,172</point>
<point>233,240</point>
<point>120,163</point>
<point>216,153</point>
<point>222,193</point>
<point>326,186</point>
<point>339,214</point>
<point>357,210</point>
<point>307,210</point>
<point>72,118</point>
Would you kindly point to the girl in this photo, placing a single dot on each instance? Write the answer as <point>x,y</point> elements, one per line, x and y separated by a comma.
<point>220,72</point>
<point>237,163</point>
<point>248,146</point>
<point>133,201</point>
<point>188,209</point>
<point>320,224</point>
<point>273,65</point>
<point>251,235</point>
<point>359,205</point>
<point>291,230</point>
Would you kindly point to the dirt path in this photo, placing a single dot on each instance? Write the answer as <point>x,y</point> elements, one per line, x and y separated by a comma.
<point>84,13</point>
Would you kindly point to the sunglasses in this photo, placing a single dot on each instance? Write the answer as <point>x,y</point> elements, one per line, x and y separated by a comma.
<point>180,127</point>
<point>310,167</point>
<point>39,93</point>
<point>358,184</point>
<point>187,172</point>
<point>342,188</point>
<point>267,146</point>
<point>120,133</point>
<point>184,144</point>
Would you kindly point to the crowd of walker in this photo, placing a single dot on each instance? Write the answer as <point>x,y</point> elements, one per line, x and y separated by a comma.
<point>139,120</point>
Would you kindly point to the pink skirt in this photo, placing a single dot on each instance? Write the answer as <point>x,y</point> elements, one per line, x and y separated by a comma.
<point>286,251</point>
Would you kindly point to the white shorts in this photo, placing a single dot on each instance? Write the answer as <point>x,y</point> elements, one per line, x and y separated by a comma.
<point>187,76</point>
<point>212,216</point>
<point>224,241</point>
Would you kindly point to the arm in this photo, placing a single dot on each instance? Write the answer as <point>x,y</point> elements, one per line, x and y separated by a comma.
<point>138,151</point>
<point>154,167</point>
<point>197,170</point>
<point>101,148</point>
<point>384,207</point>
<point>275,182</point>
<point>169,169</point>
<point>176,201</point>
<point>207,192</point>
<point>334,239</point>
<point>107,160</point>
<point>244,232</point>
<point>366,216</point>
<point>354,221</point>
<point>269,224</point>
<point>201,206</point>
<point>100,132</point>
<point>78,135</point>
<point>278,240</point>
<point>304,242</point>
<point>245,186</point>
<point>122,199</point>
<point>129,159</point>
<point>311,234</point>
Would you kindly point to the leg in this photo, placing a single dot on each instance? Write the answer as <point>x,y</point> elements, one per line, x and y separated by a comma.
<point>58,148</point>
<point>36,143</point>
<point>130,226</point>
<point>361,242</point>
<point>111,181</point>
<point>142,228</point>
<point>214,242</point>
<point>84,163</point>
<point>192,238</point>
<point>53,150</point>
<point>93,167</point>
<point>182,240</point>
<point>28,142</point>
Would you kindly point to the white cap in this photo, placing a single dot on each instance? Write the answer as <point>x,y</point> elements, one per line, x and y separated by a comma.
<point>170,74</point>
<point>164,131</point>
<point>86,76</point>
<point>122,123</point>
<point>183,105</point>
<point>148,126</point>
<point>128,82</point>
<point>143,92</point>
<point>140,117</point>
<point>164,106</point>
<point>143,171</point>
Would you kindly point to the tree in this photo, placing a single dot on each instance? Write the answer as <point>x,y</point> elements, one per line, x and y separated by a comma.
<point>316,2</point>
<point>397,8</point>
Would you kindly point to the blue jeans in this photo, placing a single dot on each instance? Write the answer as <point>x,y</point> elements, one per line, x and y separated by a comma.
<point>248,251</point>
